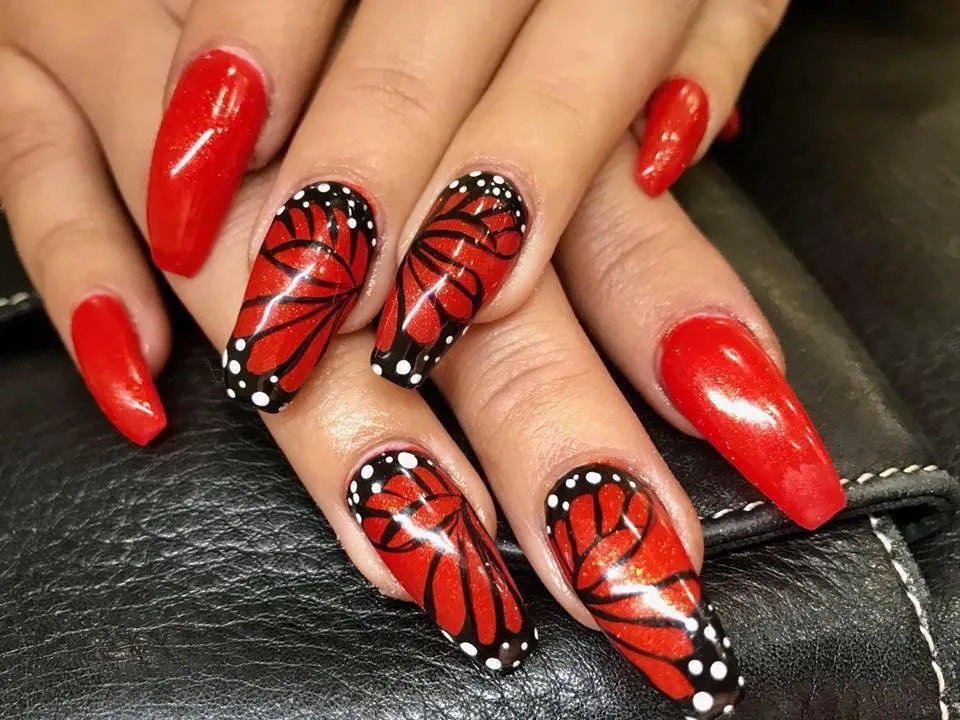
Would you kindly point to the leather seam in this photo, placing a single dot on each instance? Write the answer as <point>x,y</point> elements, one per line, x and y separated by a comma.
<point>922,621</point>
<point>15,299</point>
<point>859,480</point>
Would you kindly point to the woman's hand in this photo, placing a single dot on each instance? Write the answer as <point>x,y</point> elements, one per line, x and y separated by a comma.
<point>559,445</point>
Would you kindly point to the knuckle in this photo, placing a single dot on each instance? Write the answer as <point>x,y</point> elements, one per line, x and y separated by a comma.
<point>765,15</point>
<point>54,252</point>
<point>556,100</point>
<point>402,91</point>
<point>29,142</point>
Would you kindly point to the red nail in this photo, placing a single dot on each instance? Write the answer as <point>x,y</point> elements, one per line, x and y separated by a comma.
<point>718,376</point>
<point>112,366</point>
<point>205,140</point>
<point>731,128</point>
<point>676,122</point>
<point>457,262</point>
<point>621,555</point>
<point>430,538</point>
<point>304,283</point>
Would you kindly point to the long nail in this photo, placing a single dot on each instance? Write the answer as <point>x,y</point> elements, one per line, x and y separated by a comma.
<point>620,554</point>
<point>205,141</point>
<point>731,128</point>
<point>305,281</point>
<point>112,366</point>
<point>457,262</point>
<point>717,374</point>
<point>676,121</point>
<point>432,541</point>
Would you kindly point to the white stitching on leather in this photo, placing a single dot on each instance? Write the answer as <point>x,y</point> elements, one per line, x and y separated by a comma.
<point>15,299</point>
<point>918,609</point>
<point>859,480</point>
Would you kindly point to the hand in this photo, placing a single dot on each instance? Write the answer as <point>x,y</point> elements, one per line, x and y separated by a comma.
<point>535,400</point>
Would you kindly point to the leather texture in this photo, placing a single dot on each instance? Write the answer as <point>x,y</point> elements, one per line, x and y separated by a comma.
<point>195,579</point>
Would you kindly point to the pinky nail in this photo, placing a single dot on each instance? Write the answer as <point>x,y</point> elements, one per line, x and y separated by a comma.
<point>430,538</point>
<point>111,364</point>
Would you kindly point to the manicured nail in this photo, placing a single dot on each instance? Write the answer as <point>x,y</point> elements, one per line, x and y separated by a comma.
<point>306,279</point>
<point>717,374</point>
<point>457,262</point>
<point>432,541</point>
<point>731,128</point>
<point>676,122</point>
<point>112,366</point>
<point>205,141</point>
<point>620,554</point>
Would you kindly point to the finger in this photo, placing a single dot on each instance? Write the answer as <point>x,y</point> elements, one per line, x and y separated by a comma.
<point>591,502</point>
<point>240,76</point>
<point>676,319</point>
<point>374,131</point>
<point>690,109</point>
<point>77,247</point>
<point>517,168</point>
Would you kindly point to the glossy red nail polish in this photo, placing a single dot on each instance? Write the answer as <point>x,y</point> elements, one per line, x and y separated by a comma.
<point>112,366</point>
<point>718,376</point>
<point>432,541</point>
<point>306,280</point>
<point>731,128</point>
<point>457,262</point>
<point>205,141</point>
<point>621,555</point>
<point>676,122</point>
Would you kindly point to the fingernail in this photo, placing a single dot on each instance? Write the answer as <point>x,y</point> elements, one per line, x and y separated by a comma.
<point>457,262</point>
<point>112,366</point>
<point>621,555</point>
<point>430,538</point>
<point>205,141</point>
<point>304,283</point>
<point>719,377</point>
<point>731,128</point>
<point>676,122</point>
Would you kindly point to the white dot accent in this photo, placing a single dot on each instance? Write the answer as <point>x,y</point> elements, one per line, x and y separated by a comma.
<point>351,203</point>
<point>468,649</point>
<point>281,209</point>
<point>373,242</point>
<point>356,499</point>
<point>375,488</point>
<point>576,476</point>
<point>493,663</point>
<point>407,460</point>
<point>327,203</point>
<point>274,379</point>
<point>242,384</point>
<point>351,223</point>
<point>231,393</point>
<point>447,635</point>
<point>593,477</point>
<point>691,624</point>
<point>496,191</point>
<point>727,709</point>
<point>463,189</point>
<point>223,359</point>
<point>741,682</point>
<point>552,501</point>
<point>475,173</point>
<point>240,344</point>
<point>377,370</point>
<point>718,671</point>
<point>702,701</point>
<point>508,193</point>
<point>323,187</point>
<point>570,482</point>
<point>516,664</point>
<point>369,224</point>
<point>426,357</point>
<point>306,204</point>
<point>524,645</point>
<point>505,645</point>
<point>346,191</point>
<point>616,477</point>
<point>633,485</point>
<point>536,634</point>
<point>366,472</point>
<point>415,378</point>
<point>353,485</point>
<point>710,632</point>
<point>388,459</point>
<point>233,366</point>
<point>695,667</point>
<point>523,227</point>
<point>566,505</point>
<point>453,184</point>
<point>436,359</point>
<point>498,179</point>
<point>403,367</point>
<point>726,643</point>
<point>359,519</point>
<point>260,399</point>
<point>481,183</point>
<point>449,339</point>
<point>298,195</point>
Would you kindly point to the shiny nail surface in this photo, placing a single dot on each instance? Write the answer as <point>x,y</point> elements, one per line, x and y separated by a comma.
<point>621,555</point>
<point>676,121</point>
<point>458,261</point>
<point>206,137</point>
<point>305,281</point>
<point>717,374</point>
<point>430,538</point>
<point>112,366</point>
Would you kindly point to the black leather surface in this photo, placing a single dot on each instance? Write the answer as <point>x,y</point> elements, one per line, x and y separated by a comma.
<point>195,579</point>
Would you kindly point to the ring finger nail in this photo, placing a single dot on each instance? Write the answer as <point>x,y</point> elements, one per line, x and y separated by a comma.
<point>202,149</point>
<point>458,260</point>
<point>720,378</point>
<point>620,553</point>
<point>430,538</point>
<point>305,281</point>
